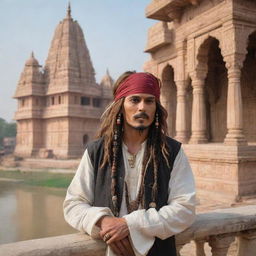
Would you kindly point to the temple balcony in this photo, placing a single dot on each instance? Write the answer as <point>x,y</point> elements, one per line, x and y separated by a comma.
<point>158,35</point>
<point>28,112</point>
<point>168,10</point>
<point>72,110</point>
<point>224,232</point>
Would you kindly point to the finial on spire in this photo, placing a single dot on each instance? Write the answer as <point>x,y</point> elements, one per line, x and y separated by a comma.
<point>107,72</point>
<point>69,10</point>
<point>32,54</point>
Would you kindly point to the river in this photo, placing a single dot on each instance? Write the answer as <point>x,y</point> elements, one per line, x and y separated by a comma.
<point>28,212</point>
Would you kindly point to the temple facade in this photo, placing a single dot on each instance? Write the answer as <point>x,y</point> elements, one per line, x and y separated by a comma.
<point>205,54</point>
<point>60,104</point>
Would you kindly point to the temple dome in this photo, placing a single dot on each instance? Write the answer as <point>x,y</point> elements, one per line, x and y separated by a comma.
<point>107,81</point>
<point>32,61</point>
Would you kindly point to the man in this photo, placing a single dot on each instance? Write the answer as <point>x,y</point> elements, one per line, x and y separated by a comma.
<point>134,187</point>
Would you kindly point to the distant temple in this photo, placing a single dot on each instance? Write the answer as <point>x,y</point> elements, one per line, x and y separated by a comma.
<point>59,106</point>
<point>205,54</point>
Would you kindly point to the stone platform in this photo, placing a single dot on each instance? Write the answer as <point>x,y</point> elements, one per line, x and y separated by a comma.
<point>223,173</point>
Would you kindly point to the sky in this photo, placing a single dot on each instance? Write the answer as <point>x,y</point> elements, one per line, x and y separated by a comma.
<point>115,32</point>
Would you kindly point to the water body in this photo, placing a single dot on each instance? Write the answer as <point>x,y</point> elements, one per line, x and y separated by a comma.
<point>28,212</point>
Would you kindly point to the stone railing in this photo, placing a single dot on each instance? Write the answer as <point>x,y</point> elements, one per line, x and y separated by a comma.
<point>218,228</point>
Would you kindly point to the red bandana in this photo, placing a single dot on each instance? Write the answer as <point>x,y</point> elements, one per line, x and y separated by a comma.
<point>138,83</point>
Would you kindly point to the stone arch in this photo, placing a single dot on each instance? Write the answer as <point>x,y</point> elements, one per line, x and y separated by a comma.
<point>248,89</point>
<point>202,47</point>
<point>169,97</point>
<point>212,66</point>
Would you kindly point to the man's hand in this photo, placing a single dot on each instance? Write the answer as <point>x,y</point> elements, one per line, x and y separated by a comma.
<point>122,247</point>
<point>115,233</point>
<point>115,228</point>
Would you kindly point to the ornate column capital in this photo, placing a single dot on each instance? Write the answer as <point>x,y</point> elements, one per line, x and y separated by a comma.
<point>235,60</point>
<point>181,85</point>
<point>198,75</point>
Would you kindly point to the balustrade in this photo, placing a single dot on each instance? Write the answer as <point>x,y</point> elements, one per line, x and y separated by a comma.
<point>218,228</point>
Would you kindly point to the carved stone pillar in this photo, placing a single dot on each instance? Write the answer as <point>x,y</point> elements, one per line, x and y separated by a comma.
<point>235,134</point>
<point>220,244</point>
<point>198,109</point>
<point>200,247</point>
<point>181,120</point>
<point>247,243</point>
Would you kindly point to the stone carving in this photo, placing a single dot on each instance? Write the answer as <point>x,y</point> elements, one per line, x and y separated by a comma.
<point>213,56</point>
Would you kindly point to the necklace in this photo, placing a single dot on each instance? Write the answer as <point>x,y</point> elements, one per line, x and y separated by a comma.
<point>134,204</point>
<point>132,160</point>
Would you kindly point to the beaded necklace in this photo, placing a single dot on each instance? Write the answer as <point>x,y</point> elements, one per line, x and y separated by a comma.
<point>131,205</point>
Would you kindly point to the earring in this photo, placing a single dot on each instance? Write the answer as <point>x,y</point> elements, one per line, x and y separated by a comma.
<point>156,121</point>
<point>118,119</point>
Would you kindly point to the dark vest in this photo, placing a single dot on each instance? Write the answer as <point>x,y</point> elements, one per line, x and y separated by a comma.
<point>102,195</point>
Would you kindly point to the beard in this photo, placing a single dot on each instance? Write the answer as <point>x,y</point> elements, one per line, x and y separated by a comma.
<point>139,128</point>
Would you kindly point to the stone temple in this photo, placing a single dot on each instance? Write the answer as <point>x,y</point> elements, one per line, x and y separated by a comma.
<point>59,106</point>
<point>205,54</point>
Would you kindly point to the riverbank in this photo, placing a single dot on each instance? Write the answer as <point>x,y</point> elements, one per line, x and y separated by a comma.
<point>40,178</point>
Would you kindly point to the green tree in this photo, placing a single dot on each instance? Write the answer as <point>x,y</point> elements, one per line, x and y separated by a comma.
<point>6,130</point>
<point>10,130</point>
<point>2,129</point>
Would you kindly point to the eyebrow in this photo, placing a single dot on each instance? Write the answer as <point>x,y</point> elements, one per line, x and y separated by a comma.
<point>146,98</point>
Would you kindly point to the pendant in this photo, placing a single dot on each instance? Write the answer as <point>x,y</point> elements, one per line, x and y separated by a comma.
<point>132,160</point>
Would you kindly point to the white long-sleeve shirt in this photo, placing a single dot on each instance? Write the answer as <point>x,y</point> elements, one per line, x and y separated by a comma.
<point>144,225</point>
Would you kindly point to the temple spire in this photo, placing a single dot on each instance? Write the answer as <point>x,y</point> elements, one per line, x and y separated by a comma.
<point>69,11</point>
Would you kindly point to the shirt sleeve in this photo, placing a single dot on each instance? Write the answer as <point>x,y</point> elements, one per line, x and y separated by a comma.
<point>78,209</point>
<point>176,216</point>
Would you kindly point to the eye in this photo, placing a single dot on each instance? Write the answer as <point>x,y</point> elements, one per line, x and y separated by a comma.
<point>150,101</point>
<point>135,100</point>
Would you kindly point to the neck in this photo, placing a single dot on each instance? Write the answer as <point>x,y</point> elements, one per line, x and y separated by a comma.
<point>133,138</point>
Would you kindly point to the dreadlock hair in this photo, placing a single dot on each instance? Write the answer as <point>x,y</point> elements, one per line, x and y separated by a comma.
<point>112,130</point>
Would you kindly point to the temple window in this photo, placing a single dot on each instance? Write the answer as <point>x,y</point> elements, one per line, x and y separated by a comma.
<point>96,102</point>
<point>85,101</point>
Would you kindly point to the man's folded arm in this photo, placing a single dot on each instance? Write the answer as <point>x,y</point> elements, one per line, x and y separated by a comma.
<point>78,210</point>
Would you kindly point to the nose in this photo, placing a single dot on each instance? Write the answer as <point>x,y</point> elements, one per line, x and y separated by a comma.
<point>141,105</point>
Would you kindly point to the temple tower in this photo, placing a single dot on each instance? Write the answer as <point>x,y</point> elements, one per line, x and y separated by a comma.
<point>204,51</point>
<point>71,102</point>
<point>30,94</point>
<point>107,84</point>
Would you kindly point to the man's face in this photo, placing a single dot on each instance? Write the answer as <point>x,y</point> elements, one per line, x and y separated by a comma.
<point>139,110</point>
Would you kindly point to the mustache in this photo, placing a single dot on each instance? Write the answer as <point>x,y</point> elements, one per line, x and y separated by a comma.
<point>141,115</point>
